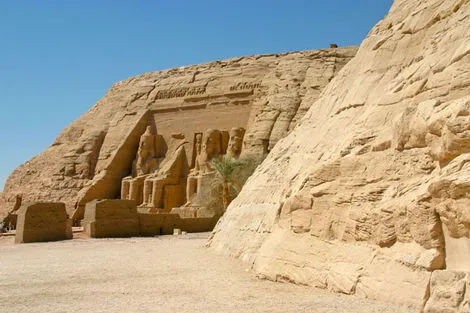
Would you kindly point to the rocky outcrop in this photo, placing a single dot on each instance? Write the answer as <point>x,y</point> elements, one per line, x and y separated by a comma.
<point>448,292</point>
<point>368,195</point>
<point>90,158</point>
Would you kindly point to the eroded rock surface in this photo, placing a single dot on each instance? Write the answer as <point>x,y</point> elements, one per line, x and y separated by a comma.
<point>369,193</point>
<point>90,158</point>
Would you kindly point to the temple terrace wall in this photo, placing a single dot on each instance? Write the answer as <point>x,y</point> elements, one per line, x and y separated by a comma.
<point>111,218</point>
<point>120,218</point>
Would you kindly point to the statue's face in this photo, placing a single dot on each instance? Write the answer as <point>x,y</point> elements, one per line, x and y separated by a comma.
<point>236,141</point>
<point>235,144</point>
<point>209,142</point>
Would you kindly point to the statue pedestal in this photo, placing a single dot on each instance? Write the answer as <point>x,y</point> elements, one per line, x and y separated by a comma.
<point>132,188</point>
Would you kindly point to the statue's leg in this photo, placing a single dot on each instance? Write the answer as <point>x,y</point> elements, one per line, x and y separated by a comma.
<point>125,189</point>
<point>157,194</point>
<point>135,190</point>
<point>147,191</point>
<point>132,190</point>
<point>191,188</point>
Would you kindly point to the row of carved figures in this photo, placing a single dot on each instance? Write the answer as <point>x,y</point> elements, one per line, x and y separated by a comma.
<point>163,179</point>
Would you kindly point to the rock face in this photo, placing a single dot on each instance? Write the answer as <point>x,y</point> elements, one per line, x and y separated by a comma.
<point>449,292</point>
<point>142,135</point>
<point>369,194</point>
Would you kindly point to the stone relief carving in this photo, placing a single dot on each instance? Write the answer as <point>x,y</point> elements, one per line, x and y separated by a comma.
<point>162,180</point>
<point>215,144</point>
<point>179,92</point>
<point>245,86</point>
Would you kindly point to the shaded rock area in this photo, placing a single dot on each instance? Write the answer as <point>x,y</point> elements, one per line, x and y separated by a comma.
<point>368,195</point>
<point>140,141</point>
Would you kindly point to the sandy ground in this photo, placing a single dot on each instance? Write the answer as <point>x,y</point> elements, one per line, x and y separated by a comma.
<point>163,274</point>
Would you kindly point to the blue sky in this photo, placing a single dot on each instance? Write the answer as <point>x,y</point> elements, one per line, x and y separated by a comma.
<point>57,58</point>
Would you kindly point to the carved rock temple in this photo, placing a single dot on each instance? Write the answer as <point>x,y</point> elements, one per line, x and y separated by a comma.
<point>153,137</point>
<point>365,184</point>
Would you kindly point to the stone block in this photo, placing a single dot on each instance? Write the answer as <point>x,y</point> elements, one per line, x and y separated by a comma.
<point>154,224</point>
<point>43,221</point>
<point>111,218</point>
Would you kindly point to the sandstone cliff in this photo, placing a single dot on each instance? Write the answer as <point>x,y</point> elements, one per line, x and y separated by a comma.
<point>369,194</point>
<point>91,156</point>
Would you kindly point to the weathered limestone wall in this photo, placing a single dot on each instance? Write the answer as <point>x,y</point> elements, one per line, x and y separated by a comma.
<point>290,90</point>
<point>157,224</point>
<point>91,156</point>
<point>449,292</point>
<point>43,222</point>
<point>369,194</point>
<point>120,218</point>
<point>164,224</point>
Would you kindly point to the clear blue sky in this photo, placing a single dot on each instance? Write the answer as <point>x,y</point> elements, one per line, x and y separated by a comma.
<point>57,58</point>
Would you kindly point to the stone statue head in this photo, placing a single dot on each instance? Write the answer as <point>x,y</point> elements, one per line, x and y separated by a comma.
<point>148,130</point>
<point>211,142</point>
<point>236,141</point>
<point>147,141</point>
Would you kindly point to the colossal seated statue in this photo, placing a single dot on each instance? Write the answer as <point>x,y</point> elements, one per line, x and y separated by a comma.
<point>149,154</point>
<point>212,145</point>
<point>165,188</point>
<point>200,175</point>
<point>160,184</point>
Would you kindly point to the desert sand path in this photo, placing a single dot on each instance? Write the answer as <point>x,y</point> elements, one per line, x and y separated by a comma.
<point>164,274</point>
